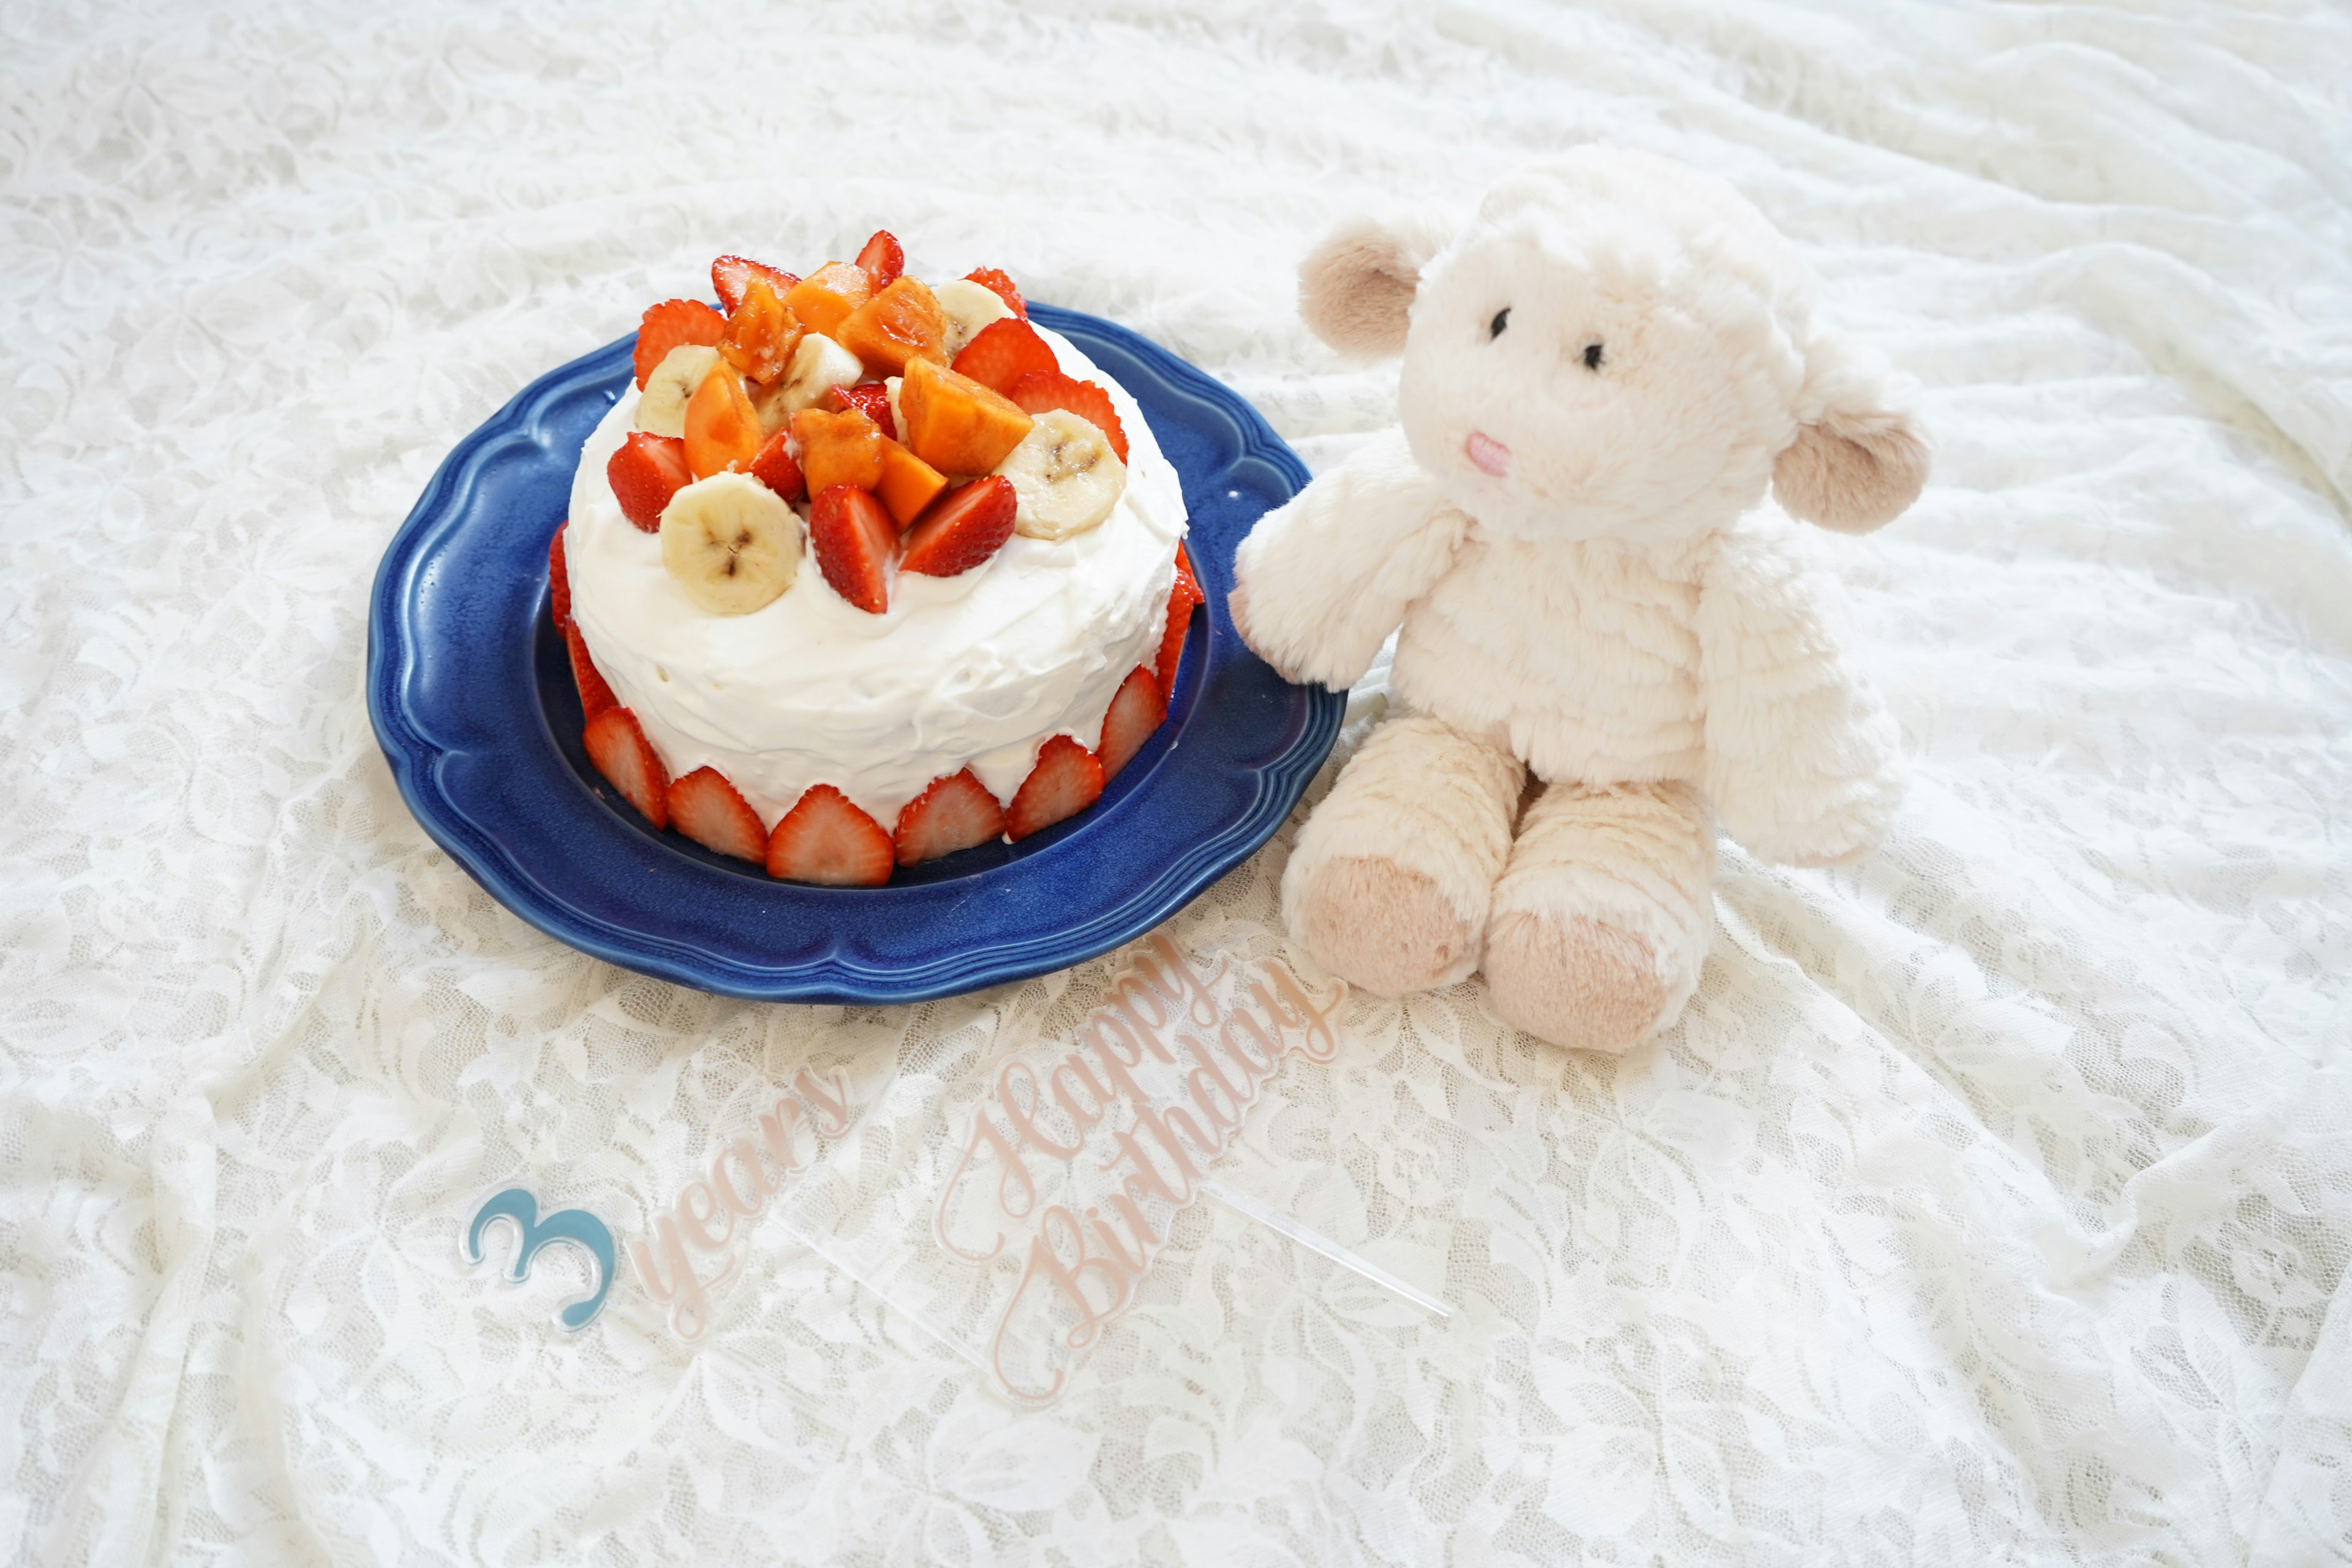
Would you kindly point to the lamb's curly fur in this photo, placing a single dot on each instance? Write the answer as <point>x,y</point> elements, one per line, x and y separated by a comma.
<point>1602,377</point>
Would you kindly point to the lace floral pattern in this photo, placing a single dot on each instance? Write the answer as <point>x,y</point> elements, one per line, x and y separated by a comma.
<point>1991,1202</point>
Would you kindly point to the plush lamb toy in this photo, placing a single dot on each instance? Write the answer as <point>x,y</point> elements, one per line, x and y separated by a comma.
<point>1600,378</point>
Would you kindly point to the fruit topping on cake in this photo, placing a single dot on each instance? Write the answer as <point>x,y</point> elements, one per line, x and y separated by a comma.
<point>824,839</point>
<point>824,299</point>
<point>722,429</point>
<point>907,484</point>
<point>1042,390</point>
<point>730,275</point>
<point>971,308</point>
<point>645,473</point>
<point>661,409</point>
<point>955,424</point>
<point>762,335</point>
<point>854,542</point>
<point>955,812</point>
<point>1067,475</point>
<point>870,398</point>
<point>730,545</point>
<point>672,324</point>
<point>1003,352</point>
<point>844,448</point>
<point>1134,713</point>
<point>705,807</point>
<point>963,530</point>
<point>1066,780</point>
<point>621,752</point>
<point>901,322</point>
<point>998,284</point>
<point>883,257</point>
<point>776,468</point>
<point>818,366</point>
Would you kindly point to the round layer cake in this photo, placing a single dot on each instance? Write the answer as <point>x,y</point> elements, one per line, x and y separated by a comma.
<point>977,671</point>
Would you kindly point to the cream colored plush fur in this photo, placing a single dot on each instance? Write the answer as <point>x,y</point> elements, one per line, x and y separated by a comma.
<point>1601,379</point>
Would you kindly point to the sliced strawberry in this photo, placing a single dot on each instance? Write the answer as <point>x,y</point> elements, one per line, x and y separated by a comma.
<point>644,472</point>
<point>705,807</point>
<point>1135,712</point>
<point>998,284</point>
<point>672,324</point>
<point>955,812</point>
<point>1183,600</point>
<point>854,539</point>
<point>730,275</point>
<point>883,259</point>
<point>559,578</point>
<point>870,398</point>
<point>1042,389</point>
<point>1066,780</point>
<point>596,697</point>
<point>1001,352</point>
<point>824,839</point>
<point>622,755</point>
<point>962,528</point>
<point>776,468</point>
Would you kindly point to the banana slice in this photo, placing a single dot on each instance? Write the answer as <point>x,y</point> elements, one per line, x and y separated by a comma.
<point>818,366</point>
<point>732,543</point>
<point>1065,478</point>
<point>661,409</point>
<point>968,307</point>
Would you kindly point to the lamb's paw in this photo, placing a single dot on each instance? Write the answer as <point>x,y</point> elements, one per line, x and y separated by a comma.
<point>1380,926</point>
<point>1237,610</point>
<point>1576,981</point>
<point>1600,923</point>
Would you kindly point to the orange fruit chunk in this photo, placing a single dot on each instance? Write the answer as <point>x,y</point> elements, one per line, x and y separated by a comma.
<point>902,322</point>
<point>722,429</point>
<point>823,299</point>
<point>907,484</point>
<point>761,334</point>
<point>843,448</point>
<point>953,422</point>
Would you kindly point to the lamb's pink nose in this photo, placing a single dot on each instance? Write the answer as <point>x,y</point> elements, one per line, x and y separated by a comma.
<point>1488,453</point>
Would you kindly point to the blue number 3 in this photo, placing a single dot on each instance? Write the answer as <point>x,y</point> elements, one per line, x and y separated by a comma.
<point>578,1227</point>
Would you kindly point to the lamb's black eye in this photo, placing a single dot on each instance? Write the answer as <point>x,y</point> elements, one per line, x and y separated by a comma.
<point>1592,356</point>
<point>1494,328</point>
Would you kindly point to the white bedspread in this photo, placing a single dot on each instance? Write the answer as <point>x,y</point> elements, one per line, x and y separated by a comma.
<point>1992,1203</point>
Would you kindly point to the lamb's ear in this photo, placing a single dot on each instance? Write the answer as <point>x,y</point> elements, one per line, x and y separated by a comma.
<point>1356,286</point>
<point>1860,457</point>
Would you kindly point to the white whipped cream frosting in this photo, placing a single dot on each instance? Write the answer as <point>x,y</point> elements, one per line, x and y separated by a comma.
<point>978,670</point>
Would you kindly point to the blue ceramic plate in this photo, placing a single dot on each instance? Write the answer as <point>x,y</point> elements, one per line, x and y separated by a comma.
<point>474,704</point>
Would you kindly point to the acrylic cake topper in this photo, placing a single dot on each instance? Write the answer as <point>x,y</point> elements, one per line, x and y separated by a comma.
<point>1019,1215</point>
<point>1075,1168</point>
<point>1021,1212</point>
<point>711,1217</point>
<point>535,1232</point>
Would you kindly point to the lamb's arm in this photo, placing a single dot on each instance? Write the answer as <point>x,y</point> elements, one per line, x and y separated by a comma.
<point>1323,579</point>
<point>1804,764</point>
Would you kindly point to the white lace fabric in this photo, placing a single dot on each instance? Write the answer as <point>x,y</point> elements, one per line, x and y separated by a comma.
<point>1992,1203</point>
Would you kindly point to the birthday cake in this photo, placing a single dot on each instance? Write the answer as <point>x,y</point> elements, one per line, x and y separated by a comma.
<point>862,572</point>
